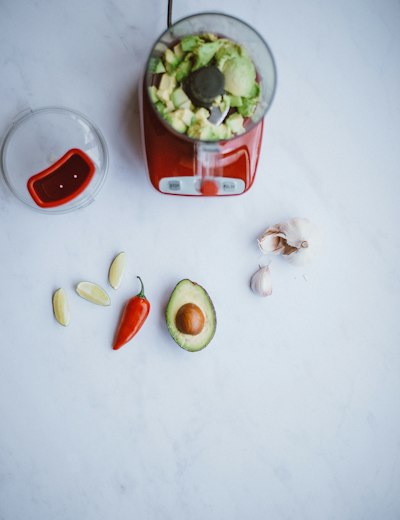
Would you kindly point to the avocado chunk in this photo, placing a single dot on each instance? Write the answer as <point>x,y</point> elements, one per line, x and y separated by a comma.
<point>185,114</point>
<point>248,107</point>
<point>153,94</point>
<point>166,87</point>
<point>156,66</point>
<point>235,123</point>
<point>175,120</point>
<point>202,129</point>
<point>172,60</point>
<point>179,97</point>
<point>190,42</point>
<point>240,75</point>
<point>235,101</point>
<point>227,50</point>
<point>167,83</point>
<point>205,53</point>
<point>190,316</point>
<point>183,70</point>
<point>178,50</point>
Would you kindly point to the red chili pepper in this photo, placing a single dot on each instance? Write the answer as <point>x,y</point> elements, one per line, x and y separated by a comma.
<point>134,315</point>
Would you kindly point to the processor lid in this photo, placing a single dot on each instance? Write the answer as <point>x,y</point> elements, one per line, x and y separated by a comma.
<point>54,159</point>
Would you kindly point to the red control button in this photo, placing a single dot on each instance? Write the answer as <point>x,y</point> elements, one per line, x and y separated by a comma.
<point>209,188</point>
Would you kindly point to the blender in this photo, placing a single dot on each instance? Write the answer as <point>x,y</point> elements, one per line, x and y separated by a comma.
<point>179,164</point>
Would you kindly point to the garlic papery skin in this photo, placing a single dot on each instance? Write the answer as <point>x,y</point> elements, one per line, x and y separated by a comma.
<point>270,241</point>
<point>261,282</point>
<point>298,239</point>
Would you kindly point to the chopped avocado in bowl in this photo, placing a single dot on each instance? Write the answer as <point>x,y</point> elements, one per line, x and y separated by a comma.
<point>201,77</point>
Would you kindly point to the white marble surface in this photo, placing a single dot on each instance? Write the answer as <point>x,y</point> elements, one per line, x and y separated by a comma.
<point>292,412</point>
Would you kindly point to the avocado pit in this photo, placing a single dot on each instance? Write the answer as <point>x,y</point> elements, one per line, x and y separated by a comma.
<point>190,319</point>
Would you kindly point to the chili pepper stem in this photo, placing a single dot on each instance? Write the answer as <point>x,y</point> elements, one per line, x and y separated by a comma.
<point>141,293</point>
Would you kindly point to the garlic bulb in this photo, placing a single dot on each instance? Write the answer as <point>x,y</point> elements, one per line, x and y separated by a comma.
<point>297,239</point>
<point>261,282</point>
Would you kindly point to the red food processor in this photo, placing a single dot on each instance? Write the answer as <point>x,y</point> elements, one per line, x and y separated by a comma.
<point>182,165</point>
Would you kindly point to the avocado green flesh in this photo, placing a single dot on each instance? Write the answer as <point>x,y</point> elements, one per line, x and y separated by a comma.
<point>189,292</point>
<point>240,75</point>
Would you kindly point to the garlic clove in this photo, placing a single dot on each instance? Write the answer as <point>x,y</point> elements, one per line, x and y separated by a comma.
<point>261,282</point>
<point>297,239</point>
<point>270,241</point>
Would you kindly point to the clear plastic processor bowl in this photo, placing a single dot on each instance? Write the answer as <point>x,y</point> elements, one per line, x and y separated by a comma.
<point>54,159</point>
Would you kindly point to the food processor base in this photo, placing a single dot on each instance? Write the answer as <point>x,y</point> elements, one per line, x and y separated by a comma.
<point>171,159</point>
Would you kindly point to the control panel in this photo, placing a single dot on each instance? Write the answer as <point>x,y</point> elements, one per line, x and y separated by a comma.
<point>193,185</point>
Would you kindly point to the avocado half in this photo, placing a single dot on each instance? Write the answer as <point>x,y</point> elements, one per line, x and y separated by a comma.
<point>188,292</point>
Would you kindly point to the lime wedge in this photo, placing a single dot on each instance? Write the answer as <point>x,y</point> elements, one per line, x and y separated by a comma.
<point>117,269</point>
<point>61,307</point>
<point>93,293</point>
